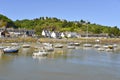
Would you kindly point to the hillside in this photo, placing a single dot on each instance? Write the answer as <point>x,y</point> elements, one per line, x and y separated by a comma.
<point>55,24</point>
<point>6,22</point>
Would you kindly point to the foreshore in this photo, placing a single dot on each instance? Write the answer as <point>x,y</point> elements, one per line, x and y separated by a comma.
<point>65,40</point>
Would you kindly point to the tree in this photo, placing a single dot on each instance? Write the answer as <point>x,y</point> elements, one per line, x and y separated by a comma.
<point>5,21</point>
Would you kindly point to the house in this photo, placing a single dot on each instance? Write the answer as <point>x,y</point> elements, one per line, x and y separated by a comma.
<point>43,33</point>
<point>11,32</point>
<point>46,33</point>
<point>53,35</point>
<point>62,35</point>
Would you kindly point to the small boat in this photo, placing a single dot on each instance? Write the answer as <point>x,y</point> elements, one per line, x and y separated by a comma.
<point>47,44</point>
<point>14,44</point>
<point>105,46</point>
<point>40,53</point>
<point>48,48</point>
<point>110,47</point>
<point>58,46</point>
<point>71,47</point>
<point>11,50</point>
<point>87,45</point>
<point>97,45</point>
<point>70,44</point>
<point>76,44</point>
<point>100,49</point>
<point>25,45</point>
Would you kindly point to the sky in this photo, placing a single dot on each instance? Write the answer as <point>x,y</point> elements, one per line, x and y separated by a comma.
<point>103,12</point>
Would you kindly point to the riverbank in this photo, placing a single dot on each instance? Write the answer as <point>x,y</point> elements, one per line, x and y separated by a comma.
<point>81,40</point>
<point>65,40</point>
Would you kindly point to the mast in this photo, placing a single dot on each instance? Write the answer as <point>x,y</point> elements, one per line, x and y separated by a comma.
<point>86,31</point>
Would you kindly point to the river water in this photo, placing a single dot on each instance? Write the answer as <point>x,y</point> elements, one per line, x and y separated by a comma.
<point>67,64</point>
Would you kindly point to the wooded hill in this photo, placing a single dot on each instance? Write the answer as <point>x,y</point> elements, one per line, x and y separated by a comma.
<point>55,24</point>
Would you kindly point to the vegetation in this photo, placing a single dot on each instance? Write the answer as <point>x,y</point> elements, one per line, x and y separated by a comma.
<point>6,22</point>
<point>55,24</point>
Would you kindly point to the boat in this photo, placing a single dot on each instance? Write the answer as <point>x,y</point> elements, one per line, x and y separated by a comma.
<point>25,45</point>
<point>110,46</point>
<point>11,50</point>
<point>58,46</point>
<point>71,47</point>
<point>48,46</point>
<point>14,44</point>
<point>40,53</point>
<point>87,45</point>
<point>100,49</point>
<point>76,44</point>
<point>97,45</point>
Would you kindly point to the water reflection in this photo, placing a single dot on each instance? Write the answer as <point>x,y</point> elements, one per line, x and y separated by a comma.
<point>39,58</point>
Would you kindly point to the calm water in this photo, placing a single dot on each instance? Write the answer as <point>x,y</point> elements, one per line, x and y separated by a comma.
<point>64,64</point>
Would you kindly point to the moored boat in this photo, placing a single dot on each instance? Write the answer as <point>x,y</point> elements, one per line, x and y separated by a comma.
<point>25,45</point>
<point>58,46</point>
<point>10,50</point>
<point>87,45</point>
<point>40,53</point>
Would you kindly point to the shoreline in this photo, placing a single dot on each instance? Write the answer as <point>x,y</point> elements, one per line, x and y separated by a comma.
<point>65,40</point>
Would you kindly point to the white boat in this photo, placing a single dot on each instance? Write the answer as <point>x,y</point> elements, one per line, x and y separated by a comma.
<point>74,44</point>
<point>25,45</point>
<point>58,46</point>
<point>77,44</point>
<point>47,44</point>
<point>100,49</point>
<point>97,45</point>
<point>48,48</point>
<point>115,45</point>
<point>71,47</point>
<point>14,44</point>
<point>40,53</point>
<point>87,45</point>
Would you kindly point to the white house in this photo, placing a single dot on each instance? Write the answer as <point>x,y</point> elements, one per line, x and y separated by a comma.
<point>62,35</point>
<point>53,34</point>
<point>43,33</point>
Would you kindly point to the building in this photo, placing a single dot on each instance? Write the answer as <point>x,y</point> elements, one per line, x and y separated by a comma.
<point>11,32</point>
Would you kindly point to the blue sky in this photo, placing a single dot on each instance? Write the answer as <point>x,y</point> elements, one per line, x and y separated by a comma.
<point>104,12</point>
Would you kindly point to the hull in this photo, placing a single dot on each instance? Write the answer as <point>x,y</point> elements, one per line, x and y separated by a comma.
<point>10,51</point>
